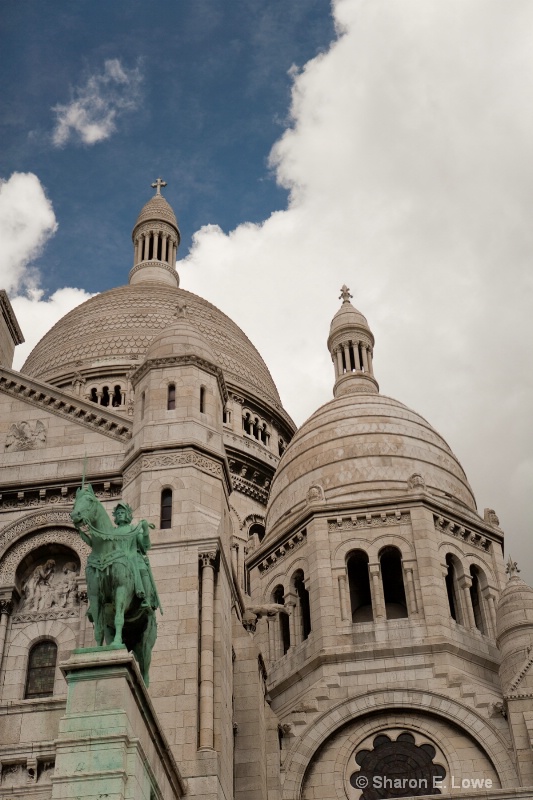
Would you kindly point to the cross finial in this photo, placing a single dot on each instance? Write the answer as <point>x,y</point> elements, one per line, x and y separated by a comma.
<point>511,568</point>
<point>158,184</point>
<point>345,294</point>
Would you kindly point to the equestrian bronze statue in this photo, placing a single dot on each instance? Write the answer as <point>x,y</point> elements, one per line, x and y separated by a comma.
<point>121,590</point>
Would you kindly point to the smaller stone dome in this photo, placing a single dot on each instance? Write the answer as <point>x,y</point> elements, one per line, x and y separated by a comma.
<point>348,317</point>
<point>515,606</point>
<point>181,339</point>
<point>157,208</point>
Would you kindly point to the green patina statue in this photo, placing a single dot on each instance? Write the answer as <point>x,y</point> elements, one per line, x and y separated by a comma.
<point>122,594</point>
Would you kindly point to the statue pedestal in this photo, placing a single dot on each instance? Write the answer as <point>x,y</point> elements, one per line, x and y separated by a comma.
<point>110,743</point>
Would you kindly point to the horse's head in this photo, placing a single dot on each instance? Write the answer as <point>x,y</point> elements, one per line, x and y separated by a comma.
<point>85,498</point>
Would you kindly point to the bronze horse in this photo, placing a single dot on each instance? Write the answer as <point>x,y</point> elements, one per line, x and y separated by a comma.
<point>118,579</point>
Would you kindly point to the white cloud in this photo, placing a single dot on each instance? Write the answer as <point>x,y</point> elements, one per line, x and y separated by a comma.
<point>409,170</point>
<point>27,221</point>
<point>94,108</point>
<point>36,315</point>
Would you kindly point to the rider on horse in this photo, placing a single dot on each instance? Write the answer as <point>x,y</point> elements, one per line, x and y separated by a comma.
<point>144,581</point>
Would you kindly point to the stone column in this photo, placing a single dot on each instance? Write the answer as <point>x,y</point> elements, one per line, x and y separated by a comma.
<point>146,246</point>
<point>465,582</point>
<point>340,368</point>
<point>6,609</point>
<point>365,357</point>
<point>347,358</point>
<point>235,560</point>
<point>356,359</point>
<point>376,588</point>
<point>207,641</point>
<point>490,606</point>
<point>164,248</point>
<point>291,601</point>
<point>342,595</point>
<point>172,253</point>
<point>411,593</point>
<point>370,362</point>
<point>274,638</point>
<point>156,246</point>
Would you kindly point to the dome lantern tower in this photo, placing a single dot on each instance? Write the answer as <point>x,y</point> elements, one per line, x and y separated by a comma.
<point>156,239</point>
<point>351,345</point>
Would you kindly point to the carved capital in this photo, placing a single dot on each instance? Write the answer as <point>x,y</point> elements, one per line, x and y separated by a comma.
<point>6,607</point>
<point>209,559</point>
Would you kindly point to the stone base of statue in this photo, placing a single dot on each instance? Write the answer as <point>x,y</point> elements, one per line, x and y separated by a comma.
<point>110,743</point>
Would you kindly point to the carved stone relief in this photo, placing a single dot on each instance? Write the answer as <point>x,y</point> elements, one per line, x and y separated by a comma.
<point>50,585</point>
<point>22,436</point>
<point>9,564</point>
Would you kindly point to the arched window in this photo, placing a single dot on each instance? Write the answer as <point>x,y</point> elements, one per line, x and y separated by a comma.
<point>202,399</point>
<point>171,397</point>
<point>104,400</point>
<point>257,528</point>
<point>143,404</point>
<point>116,400</point>
<point>477,600</point>
<point>359,583</point>
<point>94,396</point>
<point>41,670</point>
<point>278,596</point>
<point>451,590</point>
<point>304,615</point>
<point>281,446</point>
<point>393,588</point>
<point>166,508</point>
<point>226,416</point>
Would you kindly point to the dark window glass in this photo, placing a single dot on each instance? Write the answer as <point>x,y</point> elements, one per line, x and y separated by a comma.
<point>393,588</point>
<point>41,670</point>
<point>285,633</point>
<point>171,397</point>
<point>166,508</point>
<point>359,582</point>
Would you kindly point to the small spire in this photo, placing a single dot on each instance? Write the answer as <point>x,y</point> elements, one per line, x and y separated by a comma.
<point>345,295</point>
<point>511,568</point>
<point>158,184</point>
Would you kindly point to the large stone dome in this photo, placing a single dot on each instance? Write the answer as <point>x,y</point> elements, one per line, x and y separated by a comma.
<point>118,326</point>
<point>364,447</point>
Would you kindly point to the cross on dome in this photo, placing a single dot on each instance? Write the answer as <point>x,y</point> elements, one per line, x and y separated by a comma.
<point>511,568</point>
<point>345,295</point>
<point>158,184</point>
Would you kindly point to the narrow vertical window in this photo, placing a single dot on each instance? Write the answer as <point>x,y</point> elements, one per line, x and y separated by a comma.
<point>202,399</point>
<point>475,596</point>
<point>393,588</point>
<point>278,596</point>
<point>359,583</point>
<point>451,588</point>
<point>94,396</point>
<point>143,403</point>
<point>117,397</point>
<point>104,400</point>
<point>171,397</point>
<point>303,600</point>
<point>41,670</point>
<point>166,508</point>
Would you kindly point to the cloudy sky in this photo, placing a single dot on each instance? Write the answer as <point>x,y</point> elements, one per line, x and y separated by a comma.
<point>382,144</point>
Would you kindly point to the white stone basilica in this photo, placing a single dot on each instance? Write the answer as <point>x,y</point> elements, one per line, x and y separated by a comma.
<point>338,622</point>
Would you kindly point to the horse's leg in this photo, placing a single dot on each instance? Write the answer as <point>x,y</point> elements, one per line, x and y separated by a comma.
<point>94,610</point>
<point>109,630</point>
<point>144,647</point>
<point>120,606</point>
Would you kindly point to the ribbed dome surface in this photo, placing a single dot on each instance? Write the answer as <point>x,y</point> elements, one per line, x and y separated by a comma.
<point>118,326</point>
<point>182,339</point>
<point>157,208</point>
<point>515,606</point>
<point>347,316</point>
<point>362,447</point>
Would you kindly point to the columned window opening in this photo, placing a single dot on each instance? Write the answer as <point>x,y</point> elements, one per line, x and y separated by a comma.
<point>281,446</point>
<point>303,602</point>
<point>451,589</point>
<point>344,367</point>
<point>41,670</point>
<point>166,509</point>
<point>116,400</point>
<point>259,529</point>
<point>359,583</point>
<point>94,396</point>
<point>264,434</point>
<point>202,399</point>
<point>104,400</point>
<point>361,362</point>
<point>255,428</point>
<point>226,416</point>
<point>171,397</point>
<point>160,247</point>
<point>352,358</point>
<point>278,596</point>
<point>246,423</point>
<point>393,587</point>
<point>477,602</point>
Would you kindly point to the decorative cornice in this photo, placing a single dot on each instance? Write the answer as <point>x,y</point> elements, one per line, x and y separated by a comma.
<point>209,558</point>
<point>47,397</point>
<point>176,458</point>
<point>461,532</point>
<point>10,318</point>
<point>153,263</point>
<point>182,360</point>
<point>250,476</point>
<point>41,496</point>
<point>290,544</point>
<point>395,517</point>
<point>30,522</point>
<point>6,607</point>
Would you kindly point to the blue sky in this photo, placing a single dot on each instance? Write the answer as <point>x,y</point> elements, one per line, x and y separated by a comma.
<point>382,144</point>
<point>205,95</point>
